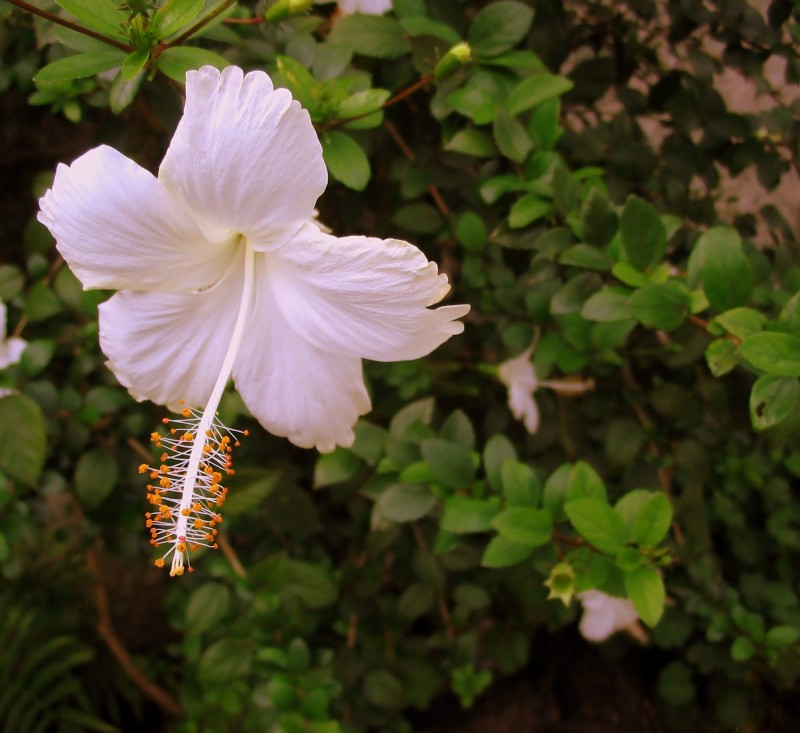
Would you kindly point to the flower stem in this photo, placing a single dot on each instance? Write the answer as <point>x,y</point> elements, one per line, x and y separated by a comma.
<point>33,10</point>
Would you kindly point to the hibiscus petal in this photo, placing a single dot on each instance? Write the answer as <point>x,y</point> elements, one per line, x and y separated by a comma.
<point>167,347</point>
<point>293,388</point>
<point>245,156</point>
<point>119,228</point>
<point>362,296</point>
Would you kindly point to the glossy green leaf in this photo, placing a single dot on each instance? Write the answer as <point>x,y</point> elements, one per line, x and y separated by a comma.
<point>377,36</point>
<point>174,15</point>
<point>772,400</point>
<point>175,62</point>
<point>80,66</point>
<point>22,438</point>
<point>499,27</point>
<point>527,210</point>
<point>773,353</point>
<point>511,137</point>
<point>462,515</point>
<point>346,160</point>
<point>503,553</point>
<point>103,16</point>
<point>598,524</point>
<point>536,89</point>
<point>525,526</point>
<point>664,306</point>
<point>645,588</point>
<point>644,237</point>
<point>405,502</point>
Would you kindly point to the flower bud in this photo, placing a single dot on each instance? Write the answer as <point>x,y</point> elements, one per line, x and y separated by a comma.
<point>561,583</point>
<point>458,56</point>
<point>286,8</point>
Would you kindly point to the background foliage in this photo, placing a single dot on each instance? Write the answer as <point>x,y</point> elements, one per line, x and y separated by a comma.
<point>570,177</point>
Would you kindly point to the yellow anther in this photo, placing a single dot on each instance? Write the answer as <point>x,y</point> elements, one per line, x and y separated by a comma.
<point>143,468</point>
<point>159,563</point>
<point>186,511</point>
<point>186,412</point>
<point>176,571</point>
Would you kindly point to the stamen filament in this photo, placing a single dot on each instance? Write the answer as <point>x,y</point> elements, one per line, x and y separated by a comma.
<point>189,521</point>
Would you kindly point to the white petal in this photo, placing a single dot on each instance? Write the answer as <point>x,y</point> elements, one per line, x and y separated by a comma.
<point>368,7</point>
<point>245,156</point>
<point>604,615</point>
<point>519,377</point>
<point>11,351</point>
<point>361,296</point>
<point>167,347</point>
<point>295,389</point>
<point>119,228</point>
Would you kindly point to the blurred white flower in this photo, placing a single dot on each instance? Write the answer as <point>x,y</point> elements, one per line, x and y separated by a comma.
<point>10,349</point>
<point>519,377</point>
<point>222,272</point>
<point>366,7</point>
<point>604,615</point>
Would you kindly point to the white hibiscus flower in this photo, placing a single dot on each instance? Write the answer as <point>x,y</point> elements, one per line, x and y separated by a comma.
<point>10,349</point>
<point>222,272</point>
<point>366,7</point>
<point>604,615</point>
<point>519,377</point>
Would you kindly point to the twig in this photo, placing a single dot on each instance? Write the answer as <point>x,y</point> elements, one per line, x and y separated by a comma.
<point>444,611</point>
<point>69,24</point>
<point>230,555</point>
<point>433,189</point>
<point>105,628</point>
<point>140,449</point>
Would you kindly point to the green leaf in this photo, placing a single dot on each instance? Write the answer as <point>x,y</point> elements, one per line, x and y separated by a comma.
<point>721,357</point>
<point>598,524</point>
<point>544,129</point>
<point>22,438</point>
<point>510,136</point>
<point>585,256</point>
<point>123,91</point>
<point>175,62</point>
<point>133,64</point>
<point>95,475</point>
<point>366,106</point>
<point>207,607</point>
<point>226,661</point>
<point>472,142</point>
<point>41,303</point>
<point>628,274</point>
<point>80,66</point>
<point>782,636</point>
<point>103,16</point>
<point>499,27</point>
<point>536,89</point>
<point>598,219</point>
<point>174,15</point>
<point>520,485</point>
<point>653,521</point>
<point>525,526</point>
<point>502,553</point>
<point>584,483</point>
<point>380,687</point>
<point>773,353</point>
<point>663,307</point>
<point>420,411</point>
<point>471,232</point>
<point>497,451</point>
<point>643,235</point>
<point>772,400</point>
<point>527,210</point>
<point>345,158</point>
<point>645,588</point>
<point>421,26</point>
<point>742,649</point>
<point>309,584</point>
<point>451,463</point>
<point>377,36</point>
<point>333,468</point>
<point>464,516</point>
<point>719,263</point>
<point>741,322</point>
<point>405,502</point>
<point>608,304</point>
<point>419,217</point>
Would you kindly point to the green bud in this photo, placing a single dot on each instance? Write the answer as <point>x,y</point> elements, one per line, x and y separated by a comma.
<point>458,56</point>
<point>561,583</point>
<point>286,8</point>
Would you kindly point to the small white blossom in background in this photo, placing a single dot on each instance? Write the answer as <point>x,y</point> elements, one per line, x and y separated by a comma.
<point>222,272</point>
<point>605,615</point>
<point>365,7</point>
<point>519,377</point>
<point>10,349</point>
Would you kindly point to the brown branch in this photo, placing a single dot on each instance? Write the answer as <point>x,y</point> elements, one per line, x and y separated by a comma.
<point>433,189</point>
<point>33,10</point>
<point>444,611</point>
<point>231,556</point>
<point>245,21</point>
<point>105,628</point>
<point>140,449</point>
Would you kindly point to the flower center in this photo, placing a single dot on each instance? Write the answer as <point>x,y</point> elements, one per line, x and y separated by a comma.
<point>188,493</point>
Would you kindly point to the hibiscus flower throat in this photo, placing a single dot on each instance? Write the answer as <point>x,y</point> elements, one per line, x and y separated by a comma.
<point>186,489</point>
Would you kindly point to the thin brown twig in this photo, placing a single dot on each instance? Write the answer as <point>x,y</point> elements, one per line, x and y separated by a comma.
<point>105,628</point>
<point>140,449</point>
<point>245,21</point>
<point>231,556</point>
<point>444,611</point>
<point>33,10</point>
<point>433,189</point>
